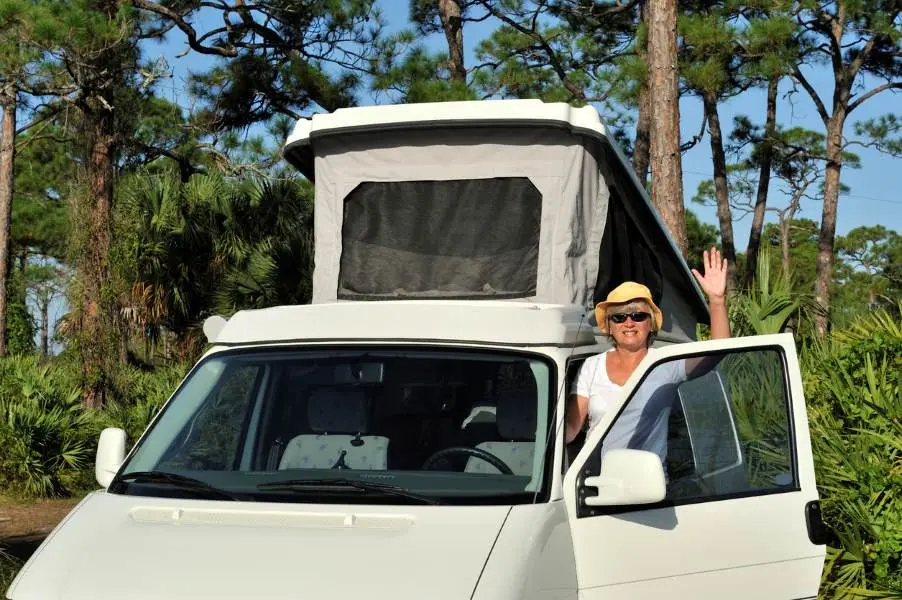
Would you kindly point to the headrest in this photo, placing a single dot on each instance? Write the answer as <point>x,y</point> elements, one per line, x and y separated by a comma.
<point>481,413</point>
<point>338,410</point>
<point>516,416</point>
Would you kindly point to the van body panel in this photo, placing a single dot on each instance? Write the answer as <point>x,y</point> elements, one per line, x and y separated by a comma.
<point>774,581</point>
<point>532,558</point>
<point>104,552</point>
<point>739,545</point>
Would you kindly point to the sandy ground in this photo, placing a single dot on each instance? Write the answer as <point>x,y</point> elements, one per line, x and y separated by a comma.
<point>37,517</point>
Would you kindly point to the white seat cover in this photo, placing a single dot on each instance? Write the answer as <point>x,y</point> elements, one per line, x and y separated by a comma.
<point>339,418</point>
<point>516,421</point>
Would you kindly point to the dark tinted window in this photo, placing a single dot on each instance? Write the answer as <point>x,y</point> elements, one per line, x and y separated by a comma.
<point>465,426</point>
<point>441,239</point>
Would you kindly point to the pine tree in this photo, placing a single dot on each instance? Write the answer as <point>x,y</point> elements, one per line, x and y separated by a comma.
<point>856,39</point>
<point>18,19</point>
<point>711,60</point>
<point>280,57</point>
<point>663,80</point>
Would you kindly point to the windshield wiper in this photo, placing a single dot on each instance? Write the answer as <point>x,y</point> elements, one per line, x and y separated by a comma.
<point>180,481</point>
<point>332,485</point>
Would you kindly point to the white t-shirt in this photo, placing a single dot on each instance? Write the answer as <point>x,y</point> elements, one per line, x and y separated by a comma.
<point>643,422</point>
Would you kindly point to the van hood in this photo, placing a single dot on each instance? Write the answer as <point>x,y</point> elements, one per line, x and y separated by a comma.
<point>139,548</point>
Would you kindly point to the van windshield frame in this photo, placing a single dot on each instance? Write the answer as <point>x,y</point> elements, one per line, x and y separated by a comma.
<point>459,373</point>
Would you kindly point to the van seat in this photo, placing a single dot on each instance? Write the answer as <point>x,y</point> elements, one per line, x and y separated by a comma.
<point>516,423</point>
<point>339,418</point>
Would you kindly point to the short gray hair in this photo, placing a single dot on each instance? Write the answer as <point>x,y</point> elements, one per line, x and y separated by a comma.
<point>639,305</point>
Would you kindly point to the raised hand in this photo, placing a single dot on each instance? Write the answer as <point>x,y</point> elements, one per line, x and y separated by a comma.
<point>714,281</point>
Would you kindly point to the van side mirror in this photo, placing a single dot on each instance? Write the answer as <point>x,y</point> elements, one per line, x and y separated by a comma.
<point>110,454</point>
<point>628,477</point>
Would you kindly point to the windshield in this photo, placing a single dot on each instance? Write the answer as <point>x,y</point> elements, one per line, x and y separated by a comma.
<point>451,426</point>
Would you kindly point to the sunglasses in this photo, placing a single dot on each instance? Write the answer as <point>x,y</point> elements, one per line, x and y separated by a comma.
<point>637,317</point>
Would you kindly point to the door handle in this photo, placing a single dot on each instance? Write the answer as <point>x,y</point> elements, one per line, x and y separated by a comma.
<point>814,519</point>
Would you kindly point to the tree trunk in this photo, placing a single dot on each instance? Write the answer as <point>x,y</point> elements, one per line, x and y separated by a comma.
<point>666,165</point>
<point>449,11</point>
<point>642,144</point>
<point>721,190</point>
<point>7,180</point>
<point>785,224</point>
<point>45,328</point>
<point>827,237</point>
<point>123,341</point>
<point>767,156</point>
<point>97,326</point>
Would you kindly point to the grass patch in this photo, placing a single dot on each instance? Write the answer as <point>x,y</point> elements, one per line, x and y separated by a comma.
<point>9,566</point>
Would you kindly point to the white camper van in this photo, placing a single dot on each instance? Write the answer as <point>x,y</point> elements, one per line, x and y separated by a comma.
<point>401,436</point>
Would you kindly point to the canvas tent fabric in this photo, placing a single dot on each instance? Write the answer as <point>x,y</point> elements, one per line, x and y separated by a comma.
<point>551,162</point>
<point>522,213</point>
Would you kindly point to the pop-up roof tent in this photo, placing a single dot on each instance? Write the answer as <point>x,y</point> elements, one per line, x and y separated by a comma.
<point>508,199</point>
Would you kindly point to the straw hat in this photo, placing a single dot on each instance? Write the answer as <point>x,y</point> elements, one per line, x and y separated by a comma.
<point>623,293</point>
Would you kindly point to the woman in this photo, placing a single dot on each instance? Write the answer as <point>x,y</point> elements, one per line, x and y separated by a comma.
<point>630,319</point>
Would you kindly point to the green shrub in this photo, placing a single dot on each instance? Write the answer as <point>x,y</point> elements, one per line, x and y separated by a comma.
<point>852,382</point>
<point>44,430</point>
<point>48,437</point>
<point>20,328</point>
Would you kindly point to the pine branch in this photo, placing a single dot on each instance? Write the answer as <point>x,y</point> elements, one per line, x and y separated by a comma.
<point>186,28</point>
<point>696,138</point>
<point>54,110</point>
<point>862,57</point>
<point>553,59</point>
<point>864,97</point>
<point>818,103</point>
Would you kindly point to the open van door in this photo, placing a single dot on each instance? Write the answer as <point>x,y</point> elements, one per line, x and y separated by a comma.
<point>731,510</point>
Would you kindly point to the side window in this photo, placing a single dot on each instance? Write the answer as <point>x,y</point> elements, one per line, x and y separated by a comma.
<point>721,429</point>
<point>211,439</point>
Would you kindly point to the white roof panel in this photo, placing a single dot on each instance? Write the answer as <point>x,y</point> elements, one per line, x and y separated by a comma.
<point>488,321</point>
<point>584,119</point>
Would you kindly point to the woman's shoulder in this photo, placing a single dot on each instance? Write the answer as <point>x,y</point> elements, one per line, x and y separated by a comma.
<point>599,358</point>
<point>596,364</point>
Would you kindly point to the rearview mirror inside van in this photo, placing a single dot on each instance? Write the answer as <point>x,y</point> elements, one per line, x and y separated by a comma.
<point>628,477</point>
<point>358,373</point>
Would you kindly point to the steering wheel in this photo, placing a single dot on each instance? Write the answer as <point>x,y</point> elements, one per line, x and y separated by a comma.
<point>475,452</point>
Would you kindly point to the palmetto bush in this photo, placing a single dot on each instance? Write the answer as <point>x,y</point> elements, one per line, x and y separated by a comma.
<point>755,382</point>
<point>48,439</point>
<point>852,382</point>
<point>212,244</point>
<point>44,430</point>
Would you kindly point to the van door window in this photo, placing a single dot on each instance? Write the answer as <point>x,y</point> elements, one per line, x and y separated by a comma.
<point>722,431</point>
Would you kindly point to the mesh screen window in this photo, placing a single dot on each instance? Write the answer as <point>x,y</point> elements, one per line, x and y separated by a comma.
<point>441,239</point>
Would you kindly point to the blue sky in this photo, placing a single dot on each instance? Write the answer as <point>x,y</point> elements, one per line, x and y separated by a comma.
<point>874,196</point>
